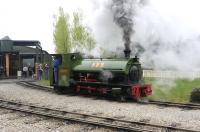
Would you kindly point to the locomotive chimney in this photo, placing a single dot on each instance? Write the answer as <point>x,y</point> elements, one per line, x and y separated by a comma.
<point>127,53</point>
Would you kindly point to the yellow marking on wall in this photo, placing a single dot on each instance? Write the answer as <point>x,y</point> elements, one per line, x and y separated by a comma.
<point>102,65</point>
<point>97,64</point>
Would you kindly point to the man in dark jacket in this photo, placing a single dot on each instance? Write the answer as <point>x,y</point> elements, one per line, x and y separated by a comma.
<point>56,63</point>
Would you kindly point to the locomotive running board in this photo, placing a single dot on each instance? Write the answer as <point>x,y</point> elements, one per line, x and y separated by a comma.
<point>100,84</point>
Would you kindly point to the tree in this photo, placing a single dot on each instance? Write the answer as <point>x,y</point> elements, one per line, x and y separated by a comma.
<point>81,37</point>
<point>74,37</point>
<point>62,37</point>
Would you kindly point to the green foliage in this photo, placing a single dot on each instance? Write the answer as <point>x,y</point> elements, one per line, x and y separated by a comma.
<point>43,82</point>
<point>81,37</point>
<point>172,90</point>
<point>62,38</point>
<point>74,37</point>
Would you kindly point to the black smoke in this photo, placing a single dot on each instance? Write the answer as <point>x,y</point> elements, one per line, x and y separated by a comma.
<point>123,13</point>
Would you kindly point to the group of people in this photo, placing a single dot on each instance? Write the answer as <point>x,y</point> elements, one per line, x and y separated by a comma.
<point>28,71</point>
<point>43,70</point>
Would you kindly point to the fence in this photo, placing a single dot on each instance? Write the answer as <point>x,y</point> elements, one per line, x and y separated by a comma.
<point>170,74</point>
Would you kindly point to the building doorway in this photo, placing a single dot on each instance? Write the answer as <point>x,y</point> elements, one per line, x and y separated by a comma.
<point>14,64</point>
<point>2,65</point>
<point>9,65</point>
<point>30,64</point>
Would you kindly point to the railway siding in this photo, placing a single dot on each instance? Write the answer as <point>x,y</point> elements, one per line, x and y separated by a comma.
<point>89,119</point>
<point>153,114</point>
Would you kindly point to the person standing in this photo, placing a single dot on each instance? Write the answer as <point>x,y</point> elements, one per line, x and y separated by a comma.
<point>40,71</point>
<point>56,63</point>
<point>25,71</point>
<point>46,68</point>
<point>30,70</point>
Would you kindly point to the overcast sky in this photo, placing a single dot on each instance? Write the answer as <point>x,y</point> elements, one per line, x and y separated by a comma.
<point>33,19</point>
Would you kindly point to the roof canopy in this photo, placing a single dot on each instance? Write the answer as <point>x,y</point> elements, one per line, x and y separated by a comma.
<point>6,44</point>
<point>27,43</point>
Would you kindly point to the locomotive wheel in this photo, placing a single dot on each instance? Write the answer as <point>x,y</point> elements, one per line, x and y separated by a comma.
<point>195,95</point>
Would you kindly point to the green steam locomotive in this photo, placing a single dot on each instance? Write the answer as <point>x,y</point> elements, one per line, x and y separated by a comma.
<point>121,78</point>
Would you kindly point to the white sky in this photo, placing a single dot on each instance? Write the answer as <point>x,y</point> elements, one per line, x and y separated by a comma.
<point>33,19</point>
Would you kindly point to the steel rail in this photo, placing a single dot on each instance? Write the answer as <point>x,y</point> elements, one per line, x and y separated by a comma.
<point>109,122</point>
<point>149,102</point>
<point>35,86</point>
<point>172,104</point>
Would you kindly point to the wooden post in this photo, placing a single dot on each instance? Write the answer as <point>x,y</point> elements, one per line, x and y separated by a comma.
<point>7,64</point>
<point>36,70</point>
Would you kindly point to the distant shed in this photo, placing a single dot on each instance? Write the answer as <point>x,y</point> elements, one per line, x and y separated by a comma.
<point>14,54</point>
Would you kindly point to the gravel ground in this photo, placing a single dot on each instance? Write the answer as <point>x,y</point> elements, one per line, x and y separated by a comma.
<point>15,121</point>
<point>90,105</point>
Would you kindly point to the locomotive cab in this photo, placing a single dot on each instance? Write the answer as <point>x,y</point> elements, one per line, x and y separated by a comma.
<point>67,61</point>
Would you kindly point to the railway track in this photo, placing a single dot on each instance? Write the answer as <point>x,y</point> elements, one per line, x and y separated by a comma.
<point>173,104</point>
<point>14,81</point>
<point>114,123</point>
<point>149,102</point>
<point>35,86</point>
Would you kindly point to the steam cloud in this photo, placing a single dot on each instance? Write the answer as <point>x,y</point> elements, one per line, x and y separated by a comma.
<point>165,41</point>
<point>162,38</point>
<point>106,75</point>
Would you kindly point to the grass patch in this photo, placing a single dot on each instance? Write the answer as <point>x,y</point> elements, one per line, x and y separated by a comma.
<point>44,82</point>
<point>172,90</point>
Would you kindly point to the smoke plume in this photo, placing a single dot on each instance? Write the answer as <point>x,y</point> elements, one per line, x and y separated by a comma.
<point>123,13</point>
